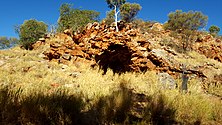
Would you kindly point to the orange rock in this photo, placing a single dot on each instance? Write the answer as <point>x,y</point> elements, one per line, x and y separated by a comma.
<point>37,44</point>
<point>55,85</point>
<point>78,53</point>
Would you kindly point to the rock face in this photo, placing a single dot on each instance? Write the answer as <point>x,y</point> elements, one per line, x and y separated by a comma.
<point>210,47</point>
<point>121,51</point>
<point>125,51</point>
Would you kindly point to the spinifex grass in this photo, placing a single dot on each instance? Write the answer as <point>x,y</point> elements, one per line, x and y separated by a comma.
<point>36,91</point>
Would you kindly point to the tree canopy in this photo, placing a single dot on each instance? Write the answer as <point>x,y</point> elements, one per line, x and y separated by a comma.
<point>110,17</point>
<point>30,31</point>
<point>75,19</point>
<point>7,42</point>
<point>128,11</point>
<point>115,3</point>
<point>214,29</point>
<point>186,20</point>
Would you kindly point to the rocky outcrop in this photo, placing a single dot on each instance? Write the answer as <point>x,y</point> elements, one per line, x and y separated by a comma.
<point>124,51</point>
<point>121,51</point>
<point>210,47</point>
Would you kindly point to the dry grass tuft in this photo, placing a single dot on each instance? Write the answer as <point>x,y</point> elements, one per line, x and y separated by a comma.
<point>35,91</point>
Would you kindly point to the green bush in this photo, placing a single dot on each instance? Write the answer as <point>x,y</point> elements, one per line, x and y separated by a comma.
<point>186,20</point>
<point>214,30</point>
<point>185,24</point>
<point>75,19</point>
<point>128,11</point>
<point>30,31</point>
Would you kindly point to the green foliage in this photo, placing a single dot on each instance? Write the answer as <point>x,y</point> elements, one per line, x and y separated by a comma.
<point>7,42</point>
<point>4,42</point>
<point>30,31</point>
<point>113,3</point>
<point>128,11</point>
<point>214,29</point>
<point>187,39</point>
<point>110,17</point>
<point>75,19</point>
<point>185,24</point>
<point>186,20</point>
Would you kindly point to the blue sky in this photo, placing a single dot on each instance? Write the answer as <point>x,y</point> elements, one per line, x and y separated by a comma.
<point>14,12</point>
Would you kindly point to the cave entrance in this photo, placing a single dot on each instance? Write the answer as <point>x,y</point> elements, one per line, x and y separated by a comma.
<point>116,57</point>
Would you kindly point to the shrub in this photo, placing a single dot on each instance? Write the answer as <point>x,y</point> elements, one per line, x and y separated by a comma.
<point>186,20</point>
<point>75,19</point>
<point>186,23</point>
<point>214,29</point>
<point>129,11</point>
<point>30,31</point>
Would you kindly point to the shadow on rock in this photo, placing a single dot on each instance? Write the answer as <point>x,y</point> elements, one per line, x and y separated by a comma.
<point>116,57</point>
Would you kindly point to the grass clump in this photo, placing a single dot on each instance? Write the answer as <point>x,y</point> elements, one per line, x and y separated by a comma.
<point>56,108</point>
<point>41,92</point>
<point>121,106</point>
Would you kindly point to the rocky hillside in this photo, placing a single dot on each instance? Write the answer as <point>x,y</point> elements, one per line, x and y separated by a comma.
<point>99,76</point>
<point>129,50</point>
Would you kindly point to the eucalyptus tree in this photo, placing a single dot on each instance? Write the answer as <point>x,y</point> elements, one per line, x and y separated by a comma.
<point>115,5</point>
<point>128,11</point>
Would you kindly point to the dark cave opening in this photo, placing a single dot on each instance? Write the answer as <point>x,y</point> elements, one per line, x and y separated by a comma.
<point>116,57</point>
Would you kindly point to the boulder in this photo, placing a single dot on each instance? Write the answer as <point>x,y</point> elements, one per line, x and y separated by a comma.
<point>157,26</point>
<point>167,81</point>
<point>42,39</point>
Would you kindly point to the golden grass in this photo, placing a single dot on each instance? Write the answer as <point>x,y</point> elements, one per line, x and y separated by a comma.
<point>98,98</point>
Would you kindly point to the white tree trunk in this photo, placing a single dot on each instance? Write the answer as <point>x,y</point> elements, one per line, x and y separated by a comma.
<point>116,18</point>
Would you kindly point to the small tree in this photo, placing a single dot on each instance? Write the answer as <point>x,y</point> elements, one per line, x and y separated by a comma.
<point>30,31</point>
<point>214,29</point>
<point>115,4</point>
<point>186,23</point>
<point>7,42</point>
<point>128,11</point>
<point>186,20</point>
<point>4,42</point>
<point>75,19</point>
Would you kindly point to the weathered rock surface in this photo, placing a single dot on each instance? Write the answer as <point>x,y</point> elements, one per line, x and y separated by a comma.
<point>167,81</point>
<point>210,47</point>
<point>127,50</point>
